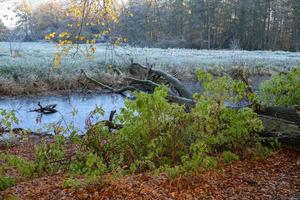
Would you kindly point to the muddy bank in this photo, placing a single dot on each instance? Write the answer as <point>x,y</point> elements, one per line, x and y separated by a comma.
<point>50,84</point>
<point>60,85</point>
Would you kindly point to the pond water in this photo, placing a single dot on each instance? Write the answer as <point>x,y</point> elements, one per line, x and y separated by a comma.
<point>83,104</point>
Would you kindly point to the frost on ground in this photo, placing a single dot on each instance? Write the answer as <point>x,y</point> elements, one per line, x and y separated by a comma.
<point>29,65</point>
<point>33,54</point>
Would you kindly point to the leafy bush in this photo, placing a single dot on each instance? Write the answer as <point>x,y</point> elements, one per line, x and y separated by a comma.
<point>171,172</point>
<point>282,90</point>
<point>153,133</point>
<point>161,135</point>
<point>89,164</point>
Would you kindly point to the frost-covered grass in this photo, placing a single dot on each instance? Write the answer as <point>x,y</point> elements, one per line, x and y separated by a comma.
<point>32,62</point>
<point>41,55</point>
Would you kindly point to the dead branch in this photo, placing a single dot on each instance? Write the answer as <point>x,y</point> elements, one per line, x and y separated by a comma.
<point>149,83</point>
<point>180,88</point>
<point>110,124</point>
<point>113,90</point>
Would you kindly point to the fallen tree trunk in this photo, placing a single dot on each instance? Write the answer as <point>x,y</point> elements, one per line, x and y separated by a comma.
<point>171,96</point>
<point>287,113</point>
<point>179,87</point>
<point>286,132</point>
<point>281,123</point>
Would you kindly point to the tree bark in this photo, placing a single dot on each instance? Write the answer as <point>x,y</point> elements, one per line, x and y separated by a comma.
<point>286,132</point>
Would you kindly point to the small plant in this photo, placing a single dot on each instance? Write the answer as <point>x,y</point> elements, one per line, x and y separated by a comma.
<point>72,183</point>
<point>26,168</point>
<point>48,154</point>
<point>228,157</point>
<point>8,119</point>
<point>210,162</point>
<point>261,152</point>
<point>6,182</point>
<point>171,172</point>
<point>90,165</point>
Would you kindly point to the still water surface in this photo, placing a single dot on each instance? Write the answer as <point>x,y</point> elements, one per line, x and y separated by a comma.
<point>66,105</point>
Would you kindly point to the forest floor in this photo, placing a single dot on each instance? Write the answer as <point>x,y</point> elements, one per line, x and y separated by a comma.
<point>275,177</point>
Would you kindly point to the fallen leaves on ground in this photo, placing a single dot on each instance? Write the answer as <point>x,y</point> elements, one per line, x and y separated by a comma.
<point>276,177</point>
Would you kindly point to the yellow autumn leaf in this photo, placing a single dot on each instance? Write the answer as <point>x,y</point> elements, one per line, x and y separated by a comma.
<point>93,49</point>
<point>57,60</point>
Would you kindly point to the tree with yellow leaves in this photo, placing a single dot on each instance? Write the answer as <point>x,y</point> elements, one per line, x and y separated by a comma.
<point>91,21</point>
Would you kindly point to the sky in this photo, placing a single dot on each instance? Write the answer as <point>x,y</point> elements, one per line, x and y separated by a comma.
<point>6,10</point>
<point>7,13</point>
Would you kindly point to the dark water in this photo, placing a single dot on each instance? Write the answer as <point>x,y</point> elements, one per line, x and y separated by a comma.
<point>66,105</point>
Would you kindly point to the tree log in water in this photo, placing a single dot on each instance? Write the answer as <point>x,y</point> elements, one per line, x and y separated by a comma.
<point>48,109</point>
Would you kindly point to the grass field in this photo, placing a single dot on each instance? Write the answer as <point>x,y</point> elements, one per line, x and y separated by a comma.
<point>27,67</point>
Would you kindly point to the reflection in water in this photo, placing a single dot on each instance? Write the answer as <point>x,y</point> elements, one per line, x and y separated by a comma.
<point>66,105</point>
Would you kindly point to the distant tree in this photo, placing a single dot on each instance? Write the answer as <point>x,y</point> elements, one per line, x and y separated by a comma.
<point>248,24</point>
<point>24,15</point>
<point>3,31</point>
<point>46,18</point>
<point>211,24</point>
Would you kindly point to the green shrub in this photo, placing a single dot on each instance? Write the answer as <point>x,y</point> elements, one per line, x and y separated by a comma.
<point>161,135</point>
<point>8,119</point>
<point>210,162</point>
<point>282,90</point>
<point>153,134</point>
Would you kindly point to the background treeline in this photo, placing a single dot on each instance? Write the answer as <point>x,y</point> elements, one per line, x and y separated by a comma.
<point>209,24</point>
